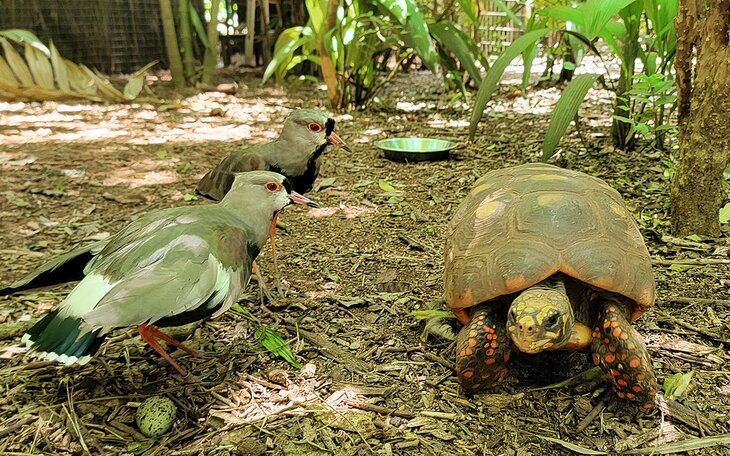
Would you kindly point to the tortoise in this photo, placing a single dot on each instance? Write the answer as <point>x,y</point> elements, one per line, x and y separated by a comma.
<point>543,258</point>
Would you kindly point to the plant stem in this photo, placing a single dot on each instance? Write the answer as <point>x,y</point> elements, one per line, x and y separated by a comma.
<point>211,55</point>
<point>186,38</point>
<point>328,67</point>
<point>173,53</point>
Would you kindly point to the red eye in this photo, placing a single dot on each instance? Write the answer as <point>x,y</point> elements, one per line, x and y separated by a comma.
<point>273,186</point>
<point>315,127</point>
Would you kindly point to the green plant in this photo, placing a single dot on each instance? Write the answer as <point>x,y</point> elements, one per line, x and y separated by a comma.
<point>360,45</point>
<point>586,23</point>
<point>181,45</point>
<point>349,41</point>
<point>647,104</point>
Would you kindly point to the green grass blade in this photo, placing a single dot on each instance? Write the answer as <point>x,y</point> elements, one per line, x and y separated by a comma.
<point>200,29</point>
<point>272,342</point>
<point>509,12</point>
<point>489,84</point>
<point>565,110</point>
<point>282,57</point>
<point>448,35</point>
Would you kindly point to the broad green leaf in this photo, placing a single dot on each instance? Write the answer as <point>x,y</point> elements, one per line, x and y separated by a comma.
<point>200,29</point>
<point>725,213</point>
<point>7,77</point>
<point>189,197</point>
<point>469,8</point>
<point>17,64</point>
<point>565,14</point>
<point>489,84</point>
<point>565,110</point>
<point>25,36</point>
<point>417,36</point>
<point>397,8</point>
<point>271,341</point>
<point>385,186</point>
<point>447,34</point>
<point>316,10</point>
<point>133,88</point>
<point>282,57</point>
<point>675,386</point>
<point>59,69</point>
<point>597,13</point>
<point>39,67</point>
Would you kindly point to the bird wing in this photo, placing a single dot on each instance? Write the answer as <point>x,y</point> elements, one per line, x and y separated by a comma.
<point>68,267</point>
<point>178,268</point>
<point>216,183</point>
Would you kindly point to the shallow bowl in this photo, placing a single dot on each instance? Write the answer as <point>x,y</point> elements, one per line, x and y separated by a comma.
<point>415,149</point>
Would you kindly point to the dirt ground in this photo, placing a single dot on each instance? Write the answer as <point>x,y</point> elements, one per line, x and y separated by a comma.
<point>356,268</point>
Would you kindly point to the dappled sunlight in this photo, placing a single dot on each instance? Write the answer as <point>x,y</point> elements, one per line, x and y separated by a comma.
<point>135,179</point>
<point>347,210</point>
<point>207,116</point>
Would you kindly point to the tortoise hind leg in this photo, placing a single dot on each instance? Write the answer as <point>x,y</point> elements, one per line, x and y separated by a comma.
<point>620,352</point>
<point>482,350</point>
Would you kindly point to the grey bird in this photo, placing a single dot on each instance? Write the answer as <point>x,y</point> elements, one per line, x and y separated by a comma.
<point>168,268</point>
<point>295,154</point>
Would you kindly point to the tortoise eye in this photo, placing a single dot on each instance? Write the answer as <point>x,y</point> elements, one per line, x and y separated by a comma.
<point>552,320</point>
<point>273,186</point>
<point>315,127</point>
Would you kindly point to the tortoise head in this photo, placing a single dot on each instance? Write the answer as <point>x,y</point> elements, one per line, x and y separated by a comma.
<point>540,318</point>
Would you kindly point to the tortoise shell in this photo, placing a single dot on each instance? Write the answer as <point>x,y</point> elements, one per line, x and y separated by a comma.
<point>522,224</point>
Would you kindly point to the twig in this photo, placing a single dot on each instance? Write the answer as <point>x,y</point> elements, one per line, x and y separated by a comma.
<point>334,352</point>
<point>703,332</point>
<point>700,301</point>
<point>692,261</point>
<point>11,429</point>
<point>593,413</point>
<point>383,410</point>
<point>683,414</point>
<point>439,360</point>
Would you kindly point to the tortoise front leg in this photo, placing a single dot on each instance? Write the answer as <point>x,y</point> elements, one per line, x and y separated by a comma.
<point>482,350</point>
<point>621,353</point>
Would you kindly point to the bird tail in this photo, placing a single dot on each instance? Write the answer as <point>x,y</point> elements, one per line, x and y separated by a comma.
<point>63,339</point>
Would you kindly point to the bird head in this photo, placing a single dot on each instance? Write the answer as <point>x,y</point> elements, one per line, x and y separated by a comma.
<point>264,191</point>
<point>312,127</point>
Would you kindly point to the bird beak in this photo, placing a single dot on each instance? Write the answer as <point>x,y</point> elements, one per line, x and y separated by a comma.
<point>336,141</point>
<point>296,198</point>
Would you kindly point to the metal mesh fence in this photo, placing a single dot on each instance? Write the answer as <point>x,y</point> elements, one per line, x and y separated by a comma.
<point>113,36</point>
<point>496,29</point>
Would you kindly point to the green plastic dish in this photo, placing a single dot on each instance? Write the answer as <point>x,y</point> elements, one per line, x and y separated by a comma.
<point>415,149</point>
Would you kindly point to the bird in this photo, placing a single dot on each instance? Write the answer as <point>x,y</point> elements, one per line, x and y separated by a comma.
<point>295,154</point>
<point>168,268</point>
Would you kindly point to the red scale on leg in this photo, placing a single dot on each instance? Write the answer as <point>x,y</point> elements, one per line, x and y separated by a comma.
<point>482,348</point>
<point>619,350</point>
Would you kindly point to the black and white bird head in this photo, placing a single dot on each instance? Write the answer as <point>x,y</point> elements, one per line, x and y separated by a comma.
<point>314,128</point>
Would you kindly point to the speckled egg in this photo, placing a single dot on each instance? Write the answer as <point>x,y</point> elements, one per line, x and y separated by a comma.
<point>155,416</point>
